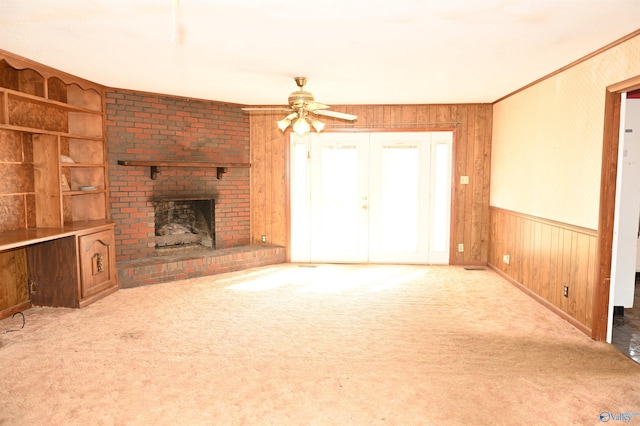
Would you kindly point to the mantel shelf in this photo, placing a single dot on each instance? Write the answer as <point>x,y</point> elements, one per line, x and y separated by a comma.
<point>221,168</point>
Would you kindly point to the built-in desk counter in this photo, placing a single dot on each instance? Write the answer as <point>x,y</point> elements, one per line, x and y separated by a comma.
<point>71,266</point>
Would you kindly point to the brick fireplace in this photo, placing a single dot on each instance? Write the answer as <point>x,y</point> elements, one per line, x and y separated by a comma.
<point>142,126</point>
<point>184,224</point>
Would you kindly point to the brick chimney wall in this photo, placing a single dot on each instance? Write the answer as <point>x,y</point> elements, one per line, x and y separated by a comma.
<point>143,126</point>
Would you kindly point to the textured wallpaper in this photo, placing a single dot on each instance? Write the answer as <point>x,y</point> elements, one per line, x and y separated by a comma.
<point>547,140</point>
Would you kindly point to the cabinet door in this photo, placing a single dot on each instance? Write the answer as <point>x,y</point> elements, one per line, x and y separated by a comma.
<point>13,279</point>
<point>97,262</point>
<point>53,271</point>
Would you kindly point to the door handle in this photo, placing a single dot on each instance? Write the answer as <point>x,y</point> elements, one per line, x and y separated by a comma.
<point>365,207</point>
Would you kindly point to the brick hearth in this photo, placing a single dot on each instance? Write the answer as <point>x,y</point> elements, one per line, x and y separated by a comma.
<point>160,269</point>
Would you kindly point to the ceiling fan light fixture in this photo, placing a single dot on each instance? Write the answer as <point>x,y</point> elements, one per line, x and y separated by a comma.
<point>301,126</point>
<point>301,104</point>
<point>284,123</point>
<point>318,125</point>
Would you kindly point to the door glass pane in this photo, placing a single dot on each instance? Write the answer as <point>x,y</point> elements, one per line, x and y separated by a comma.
<point>300,238</point>
<point>399,203</point>
<point>339,197</point>
<point>440,198</point>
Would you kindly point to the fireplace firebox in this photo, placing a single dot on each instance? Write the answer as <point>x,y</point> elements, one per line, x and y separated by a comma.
<point>184,223</point>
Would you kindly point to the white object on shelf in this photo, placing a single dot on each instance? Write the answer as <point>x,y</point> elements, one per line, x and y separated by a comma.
<point>65,184</point>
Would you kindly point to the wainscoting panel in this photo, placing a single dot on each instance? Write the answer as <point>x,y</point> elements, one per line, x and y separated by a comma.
<point>544,257</point>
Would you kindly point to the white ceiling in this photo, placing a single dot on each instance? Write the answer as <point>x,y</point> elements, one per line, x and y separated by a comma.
<point>353,51</point>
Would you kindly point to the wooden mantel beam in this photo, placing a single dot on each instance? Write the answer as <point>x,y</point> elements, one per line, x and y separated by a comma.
<point>221,168</point>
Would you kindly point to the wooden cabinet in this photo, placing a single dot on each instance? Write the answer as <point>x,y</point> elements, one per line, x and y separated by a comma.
<point>53,176</point>
<point>96,255</point>
<point>73,270</point>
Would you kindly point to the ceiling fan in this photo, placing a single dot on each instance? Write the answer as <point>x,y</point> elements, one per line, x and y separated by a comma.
<point>302,106</point>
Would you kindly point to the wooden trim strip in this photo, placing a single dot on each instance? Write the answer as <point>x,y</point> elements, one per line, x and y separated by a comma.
<point>608,182</point>
<point>626,85</point>
<point>586,330</point>
<point>579,229</point>
<point>20,63</point>
<point>169,163</point>
<point>153,165</point>
<point>23,306</point>
<point>572,64</point>
<point>406,127</point>
<point>428,127</point>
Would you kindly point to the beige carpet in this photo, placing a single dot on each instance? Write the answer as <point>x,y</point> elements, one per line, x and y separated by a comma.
<point>326,345</point>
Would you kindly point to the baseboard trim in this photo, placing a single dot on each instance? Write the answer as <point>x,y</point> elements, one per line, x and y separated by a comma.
<point>562,314</point>
<point>6,313</point>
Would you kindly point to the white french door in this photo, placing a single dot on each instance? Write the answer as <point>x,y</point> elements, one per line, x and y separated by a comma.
<point>339,191</point>
<point>371,197</point>
<point>399,197</point>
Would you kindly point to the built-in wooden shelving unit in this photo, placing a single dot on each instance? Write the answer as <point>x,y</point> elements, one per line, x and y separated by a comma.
<point>57,245</point>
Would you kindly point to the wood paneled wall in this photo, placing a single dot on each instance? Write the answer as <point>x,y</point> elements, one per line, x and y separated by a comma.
<point>471,124</point>
<point>544,257</point>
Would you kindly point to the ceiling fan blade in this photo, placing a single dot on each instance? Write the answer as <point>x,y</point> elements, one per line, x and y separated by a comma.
<point>335,114</point>
<point>312,106</point>
<point>265,109</point>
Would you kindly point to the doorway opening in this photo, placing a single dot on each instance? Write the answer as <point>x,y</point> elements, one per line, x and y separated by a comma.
<point>623,329</point>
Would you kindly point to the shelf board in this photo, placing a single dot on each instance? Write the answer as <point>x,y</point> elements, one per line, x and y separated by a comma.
<point>94,165</point>
<point>153,165</point>
<point>49,102</point>
<point>49,132</point>
<point>79,192</point>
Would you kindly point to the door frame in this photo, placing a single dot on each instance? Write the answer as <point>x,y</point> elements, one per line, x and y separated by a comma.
<point>609,171</point>
<point>452,207</point>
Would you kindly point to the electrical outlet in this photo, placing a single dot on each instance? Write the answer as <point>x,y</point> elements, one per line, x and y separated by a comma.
<point>565,291</point>
<point>460,247</point>
<point>464,180</point>
<point>264,238</point>
<point>506,259</point>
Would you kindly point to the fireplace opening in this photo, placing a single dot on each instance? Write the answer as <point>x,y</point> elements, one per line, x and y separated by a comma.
<point>184,224</point>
